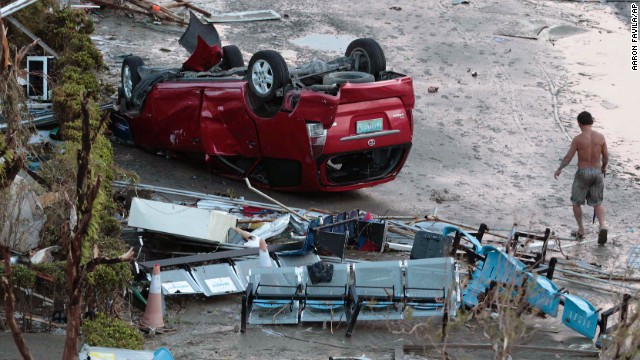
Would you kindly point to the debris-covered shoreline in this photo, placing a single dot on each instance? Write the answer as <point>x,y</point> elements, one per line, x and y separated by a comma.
<point>496,98</point>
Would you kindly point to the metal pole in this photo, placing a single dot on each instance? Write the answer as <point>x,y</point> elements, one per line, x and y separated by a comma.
<point>246,180</point>
<point>409,227</point>
<point>596,279</point>
<point>31,35</point>
<point>317,228</point>
<point>589,286</point>
<point>574,264</point>
<point>195,195</point>
<point>508,246</point>
<point>460,225</point>
<point>397,217</point>
<point>15,6</point>
<point>554,350</point>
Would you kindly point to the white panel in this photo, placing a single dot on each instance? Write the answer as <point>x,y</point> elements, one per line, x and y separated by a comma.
<point>180,220</point>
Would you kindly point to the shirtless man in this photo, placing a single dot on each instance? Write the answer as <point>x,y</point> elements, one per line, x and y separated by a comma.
<point>588,183</point>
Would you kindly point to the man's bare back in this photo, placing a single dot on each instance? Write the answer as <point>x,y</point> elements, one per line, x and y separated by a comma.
<point>591,147</point>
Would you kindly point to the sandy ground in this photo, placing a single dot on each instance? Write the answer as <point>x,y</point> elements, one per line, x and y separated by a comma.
<point>491,141</point>
<point>485,147</point>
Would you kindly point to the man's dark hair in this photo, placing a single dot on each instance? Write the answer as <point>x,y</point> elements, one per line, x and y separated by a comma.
<point>585,118</point>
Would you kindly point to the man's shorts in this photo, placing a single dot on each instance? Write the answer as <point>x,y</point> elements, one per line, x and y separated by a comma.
<point>588,184</point>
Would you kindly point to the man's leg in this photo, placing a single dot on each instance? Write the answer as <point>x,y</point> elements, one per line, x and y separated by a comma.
<point>602,234</point>
<point>577,212</point>
<point>596,194</point>
<point>599,209</point>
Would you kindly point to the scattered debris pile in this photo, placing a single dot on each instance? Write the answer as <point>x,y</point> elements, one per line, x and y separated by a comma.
<point>167,13</point>
<point>209,245</point>
<point>215,260</point>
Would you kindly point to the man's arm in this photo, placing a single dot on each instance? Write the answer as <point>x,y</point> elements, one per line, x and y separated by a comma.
<point>566,160</point>
<point>605,157</point>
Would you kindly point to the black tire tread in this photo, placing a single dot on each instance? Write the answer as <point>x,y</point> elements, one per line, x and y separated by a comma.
<point>341,77</point>
<point>133,62</point>
<point>378,62</point>
<point>231,57</point>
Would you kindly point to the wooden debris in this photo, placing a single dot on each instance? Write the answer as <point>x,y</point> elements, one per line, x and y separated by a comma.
<point>162,11</point>
<point>172,6</point>
<point>155,331</point>
<point>189,5</point>
<point>120,7</point>
<point>41,320</point>
<point>145,7</point>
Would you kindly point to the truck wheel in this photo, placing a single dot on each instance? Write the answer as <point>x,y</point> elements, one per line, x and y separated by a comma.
<point>367,56</point>
<point>130,76</point>
<point>342,77</point>
<point>231,57</point>
<point>267,72</point>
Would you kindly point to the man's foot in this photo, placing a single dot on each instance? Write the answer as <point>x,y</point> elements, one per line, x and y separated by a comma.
<point>577,234</point>
<point>602,236</point>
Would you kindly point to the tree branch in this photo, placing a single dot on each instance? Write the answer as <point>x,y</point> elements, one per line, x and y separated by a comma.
<point>21,54</point>
<point>95,262</point>
<point>5,47</point>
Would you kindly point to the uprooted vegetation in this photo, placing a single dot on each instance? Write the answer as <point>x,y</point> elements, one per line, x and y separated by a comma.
<point>76,97</point>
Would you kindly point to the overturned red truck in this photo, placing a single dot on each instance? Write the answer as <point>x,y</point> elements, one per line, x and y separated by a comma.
<point>322,126</point>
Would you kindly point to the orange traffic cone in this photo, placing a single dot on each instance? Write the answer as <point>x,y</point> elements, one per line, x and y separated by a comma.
<point>153,313</point>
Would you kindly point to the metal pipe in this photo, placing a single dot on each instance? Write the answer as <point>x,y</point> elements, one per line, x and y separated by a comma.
<point>31,35</point>
<point>46,118</point>
<point>195,195</point>
<point>460,225</point>
<point>574,264</point>
<point>402,225</point>
<point>554,350</point>
<point>508,246</point>
<point>317,228</point>
<point>246,180</point>
<point>589,285</point>
<point>15,6</point>
<point>596,279</point>
<point>254,221</point>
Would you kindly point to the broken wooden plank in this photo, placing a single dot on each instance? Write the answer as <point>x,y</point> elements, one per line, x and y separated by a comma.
<point>120,7</point>
<point>193,7</point>
<point>173,6</point>
<point>156,7</point>
<point>44,321</point>
<point>158,10</point>
<point>45,277</point>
